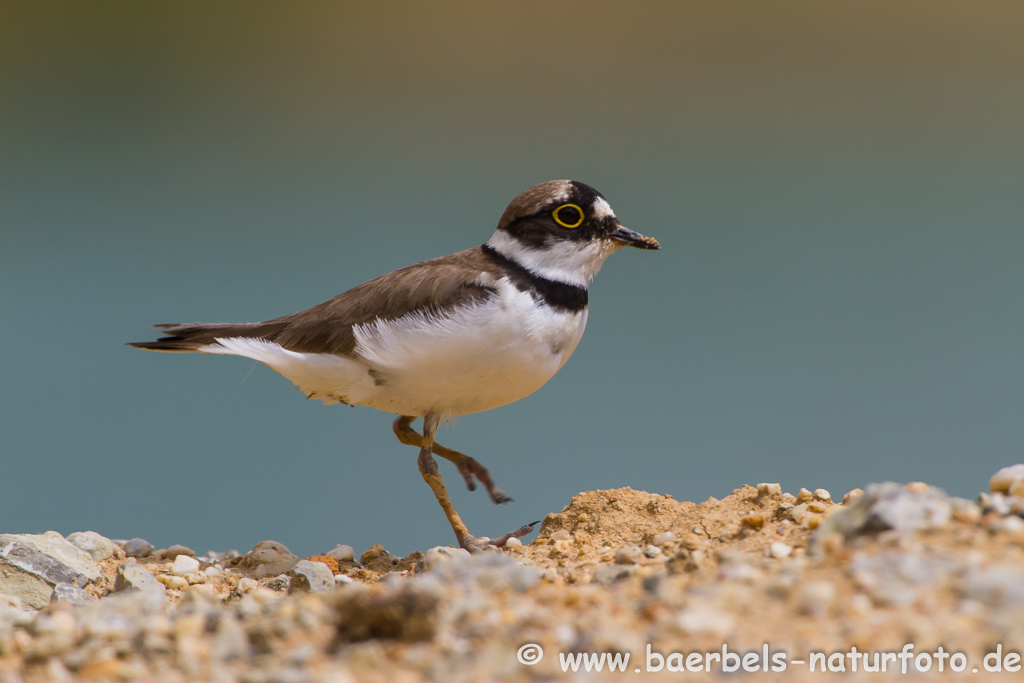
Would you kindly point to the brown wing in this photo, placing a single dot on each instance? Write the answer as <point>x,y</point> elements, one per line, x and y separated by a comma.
<point>436,285</point>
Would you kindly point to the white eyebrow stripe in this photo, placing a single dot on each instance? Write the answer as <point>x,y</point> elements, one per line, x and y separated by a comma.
<point>602,209</point>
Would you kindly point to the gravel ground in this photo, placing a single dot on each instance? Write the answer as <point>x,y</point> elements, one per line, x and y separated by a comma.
<point>758,583</point>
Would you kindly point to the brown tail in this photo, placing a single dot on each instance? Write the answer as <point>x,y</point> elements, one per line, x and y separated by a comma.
<point>193,336</point>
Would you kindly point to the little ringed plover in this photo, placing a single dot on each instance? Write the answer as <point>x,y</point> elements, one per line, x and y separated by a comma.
<point>451,336</point>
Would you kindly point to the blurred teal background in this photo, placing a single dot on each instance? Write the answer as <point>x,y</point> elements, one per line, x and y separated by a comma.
<point>837,188</point>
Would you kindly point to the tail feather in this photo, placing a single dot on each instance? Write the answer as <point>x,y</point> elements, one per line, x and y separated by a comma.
<point>193,336</point>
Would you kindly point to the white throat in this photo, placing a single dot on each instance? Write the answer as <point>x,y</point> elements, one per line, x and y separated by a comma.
<point>568,261</point>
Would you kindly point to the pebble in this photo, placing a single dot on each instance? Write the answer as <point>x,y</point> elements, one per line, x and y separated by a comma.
<point>138,547</point>
<point>342,553</point>
<point>768,489</point>
<point>513,543</point>
<point>780,550</point>
<point>311,577</point>
<point>560,535</point>
<point>172,582</point>
<point>132,576</point>
<point>439,556</point>
<point>1003,480</point>
<point>99,547</point>
<point>663,538</point>
<point>71,594</point>
<point>706,620</point>
<point>246,584</point>
<point>372,553</point>
<point>852,495</point>
<point>269,558</point>
<point>31,565</point>
<point>804,496</point>
<point>174,551</point>
<point>627,554</point>
<point>889,506</point>
<point>822,494</point>
<point>184,565</point>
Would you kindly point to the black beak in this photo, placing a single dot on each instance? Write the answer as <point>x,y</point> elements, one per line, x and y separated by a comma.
<point>624,235</point>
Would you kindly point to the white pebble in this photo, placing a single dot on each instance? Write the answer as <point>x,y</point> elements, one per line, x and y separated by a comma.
<point>560,535</point>
<point>340,579</point>
<point>769,489</point>
<point>183,564</point>
<point>343,553</point>
<point>513,543</point>
<point>663,538</point>
<point>822,494</point>
<point>627,554</point>
<point>247,584</point>
<point>1004,479</point>
<point>214,570</point>
<point>779,550</point>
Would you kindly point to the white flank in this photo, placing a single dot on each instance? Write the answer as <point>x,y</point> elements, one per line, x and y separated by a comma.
<point>473,358</point>
<point>569,261</point>
<point>325,376</point>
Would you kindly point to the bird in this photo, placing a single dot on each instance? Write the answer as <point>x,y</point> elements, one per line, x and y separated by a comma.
<point>447,337</point>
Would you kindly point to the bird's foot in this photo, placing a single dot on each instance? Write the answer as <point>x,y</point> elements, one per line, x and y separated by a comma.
<point>471,468</point>
<point>476,544</point>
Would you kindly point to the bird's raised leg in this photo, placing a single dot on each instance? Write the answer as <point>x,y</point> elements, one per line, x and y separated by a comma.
<point>468,467</point>
<point>428,469</point>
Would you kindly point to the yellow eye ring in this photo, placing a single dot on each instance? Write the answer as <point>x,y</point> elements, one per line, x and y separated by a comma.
<point>554,214</point>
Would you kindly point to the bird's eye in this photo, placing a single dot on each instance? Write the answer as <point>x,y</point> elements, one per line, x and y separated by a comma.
<point>568,215</point>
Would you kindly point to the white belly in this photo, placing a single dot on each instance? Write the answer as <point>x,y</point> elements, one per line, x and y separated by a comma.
<point>472,359</point>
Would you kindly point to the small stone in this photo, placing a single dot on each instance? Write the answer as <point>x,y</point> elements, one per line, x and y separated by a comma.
<point>627,554</point>
<point>965,510</point>
<point>174,551</point>
<point>1011,525</point>
<point>513,543</point>
<point>99,547</point>
<point>71,594</point>
<point>768,489</point>
<point>372,553</point>
<point>131,576</point>
<point>342,553</point>
<point>752,520</point>
<point>817,506</point>
<point>852,495</point>
<point>310,577</point>
<point>822,494</point>
<point>653,551</point>
<point>804,496</point>
<point>916,486</point>
<point>663,538</point>
<point>342,580</point>
<point>814,598</point>
<point>331,563</point>
<point>440,556</point>
<point>279,583</point>
<point>177,583</point>
<point>888,506</point>
<point>1003,480</point>
<point>831,543</point>
<point>560,535</point>
<point>693,541</point>
<point>138,547</point>
<point>31,565</point>
<point>184,565</point>
<point>780,550</point>
<point>269,558</point>
<point>213,571</point>
<point>247,584</point>
<point>706,620</point>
